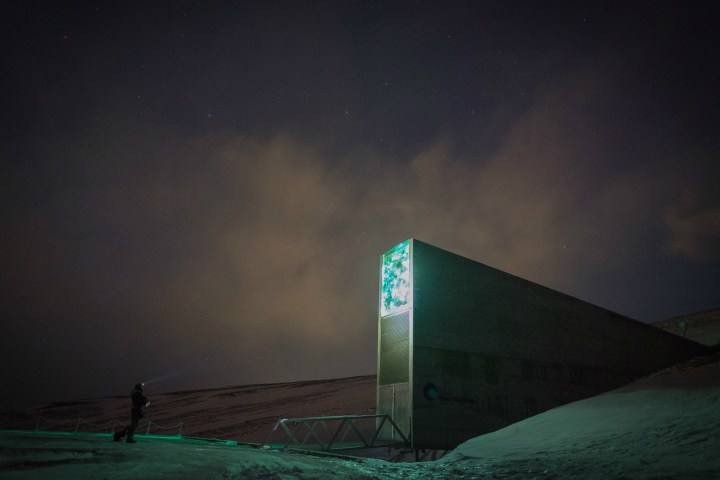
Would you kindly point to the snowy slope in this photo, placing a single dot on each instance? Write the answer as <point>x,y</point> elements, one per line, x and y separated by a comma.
<point>664,426</point>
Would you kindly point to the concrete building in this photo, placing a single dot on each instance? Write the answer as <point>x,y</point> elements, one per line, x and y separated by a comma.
<point>465,349</point>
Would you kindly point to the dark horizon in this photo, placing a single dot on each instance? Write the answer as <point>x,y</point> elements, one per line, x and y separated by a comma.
<point>202,192</point>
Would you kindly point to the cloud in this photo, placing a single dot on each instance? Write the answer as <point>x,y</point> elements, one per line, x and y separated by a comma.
<point>693,232</point>
<point>544,205</point>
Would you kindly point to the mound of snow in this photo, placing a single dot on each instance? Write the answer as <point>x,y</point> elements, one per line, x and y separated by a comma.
<point>663,426</point>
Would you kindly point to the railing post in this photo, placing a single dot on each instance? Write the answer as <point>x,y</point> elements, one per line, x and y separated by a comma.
<point>148,429</point>
<point>77,425</point>
<point>274,429</point>
<point>113,426</point>
<point>180,430</point>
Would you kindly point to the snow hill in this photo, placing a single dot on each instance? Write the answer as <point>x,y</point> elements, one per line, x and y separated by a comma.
<point>662,426</point>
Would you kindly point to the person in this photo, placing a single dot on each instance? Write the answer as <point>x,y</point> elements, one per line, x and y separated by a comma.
<point>139,401</point>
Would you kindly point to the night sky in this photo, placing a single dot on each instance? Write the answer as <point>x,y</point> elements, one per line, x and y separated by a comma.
<point>199,193</point>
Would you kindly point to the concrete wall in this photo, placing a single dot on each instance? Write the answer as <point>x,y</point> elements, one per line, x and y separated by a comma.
<point>487,349</point>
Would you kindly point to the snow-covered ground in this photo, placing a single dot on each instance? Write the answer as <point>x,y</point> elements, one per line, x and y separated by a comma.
<point>664,426</point>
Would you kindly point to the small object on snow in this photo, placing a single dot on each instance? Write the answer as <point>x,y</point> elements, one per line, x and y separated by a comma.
<point>120,434</point>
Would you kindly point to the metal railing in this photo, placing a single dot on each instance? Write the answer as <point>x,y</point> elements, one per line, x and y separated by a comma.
<point>83,426</point>
<point>331,432</point>
<point>172,427</point>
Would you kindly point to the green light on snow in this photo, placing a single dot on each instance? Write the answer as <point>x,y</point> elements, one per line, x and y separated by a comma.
<point>395,278</point>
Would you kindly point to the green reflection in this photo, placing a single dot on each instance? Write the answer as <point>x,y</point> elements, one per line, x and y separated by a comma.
<point>395,278</point>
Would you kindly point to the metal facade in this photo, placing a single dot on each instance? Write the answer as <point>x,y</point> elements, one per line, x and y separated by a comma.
<point>474,349</point>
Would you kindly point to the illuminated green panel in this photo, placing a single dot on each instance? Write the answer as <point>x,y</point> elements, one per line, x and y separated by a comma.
<point>396,285</point>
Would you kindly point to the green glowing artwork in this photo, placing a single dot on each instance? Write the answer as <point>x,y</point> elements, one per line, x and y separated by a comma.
<point>395,278</point>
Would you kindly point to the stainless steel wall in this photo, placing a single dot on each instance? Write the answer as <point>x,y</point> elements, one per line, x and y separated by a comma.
<point>487,349</point>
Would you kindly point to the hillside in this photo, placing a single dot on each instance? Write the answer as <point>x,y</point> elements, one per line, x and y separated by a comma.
<point>702,327</point>
<point>242,413</point>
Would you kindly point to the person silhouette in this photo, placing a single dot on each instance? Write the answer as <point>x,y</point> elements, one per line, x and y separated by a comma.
<point>139,401</point>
